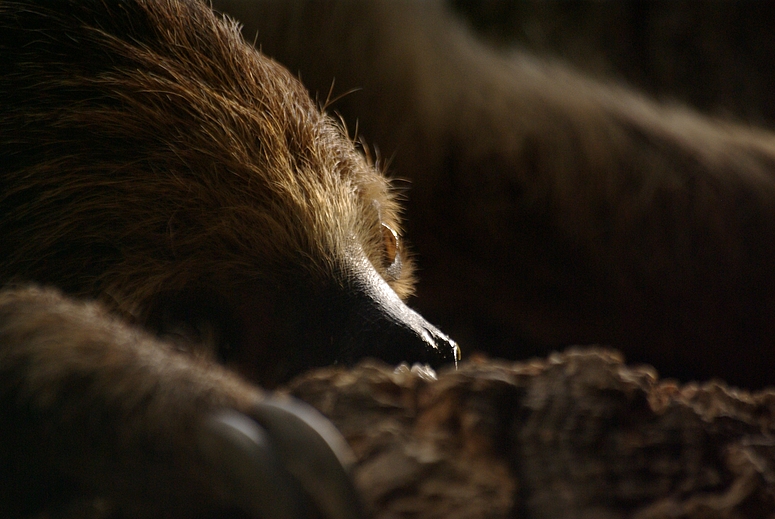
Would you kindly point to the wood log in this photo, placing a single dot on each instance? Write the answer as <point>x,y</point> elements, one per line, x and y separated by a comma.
<point>577,434</point>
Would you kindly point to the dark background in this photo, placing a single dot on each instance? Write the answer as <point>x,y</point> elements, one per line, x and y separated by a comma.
<point>718,56</point>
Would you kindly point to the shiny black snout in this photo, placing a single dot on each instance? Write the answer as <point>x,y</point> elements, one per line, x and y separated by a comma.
<point>378,324</point>
<point>358,315</point>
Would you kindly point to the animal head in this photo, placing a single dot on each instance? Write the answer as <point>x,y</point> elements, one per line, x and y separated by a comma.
<point>152,159</point>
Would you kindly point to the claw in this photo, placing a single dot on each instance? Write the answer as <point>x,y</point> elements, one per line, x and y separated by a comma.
<point>245,456</point>
<point>287,459</point>
<point>314,452</point>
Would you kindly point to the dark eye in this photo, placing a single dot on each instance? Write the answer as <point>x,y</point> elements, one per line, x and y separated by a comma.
<point>392,251</point>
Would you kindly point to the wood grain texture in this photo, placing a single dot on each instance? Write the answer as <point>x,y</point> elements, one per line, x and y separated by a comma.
<point>577,434</point>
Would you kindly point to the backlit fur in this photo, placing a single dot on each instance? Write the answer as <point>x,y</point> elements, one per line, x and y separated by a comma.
<point>250,179</point>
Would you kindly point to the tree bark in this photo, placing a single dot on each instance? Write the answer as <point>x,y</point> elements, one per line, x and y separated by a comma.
<point>578,434</point>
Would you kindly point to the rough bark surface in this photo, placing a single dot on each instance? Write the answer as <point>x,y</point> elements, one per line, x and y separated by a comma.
<point>578,434</point>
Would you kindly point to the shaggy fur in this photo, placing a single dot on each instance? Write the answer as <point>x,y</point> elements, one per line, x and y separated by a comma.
<point>125,433</point>
<point>150,155</point>
<point>158,163</point>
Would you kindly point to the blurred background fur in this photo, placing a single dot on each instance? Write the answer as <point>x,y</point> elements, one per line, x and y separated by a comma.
<point>575,172</point>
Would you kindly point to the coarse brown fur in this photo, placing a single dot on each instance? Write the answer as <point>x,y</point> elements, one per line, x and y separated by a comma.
<point>99,418</point>
<point>198,123</point>
<point>162,165</point>
<point>549,208</point>
<point>152,160</point>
